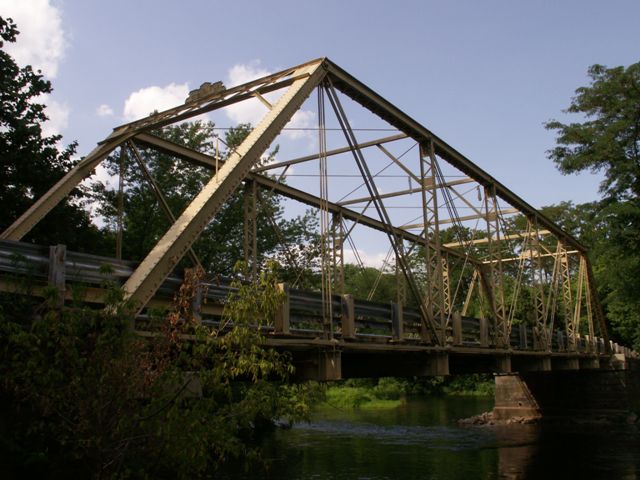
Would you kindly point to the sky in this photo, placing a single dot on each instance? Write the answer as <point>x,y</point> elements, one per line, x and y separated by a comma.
<point>482,75</point>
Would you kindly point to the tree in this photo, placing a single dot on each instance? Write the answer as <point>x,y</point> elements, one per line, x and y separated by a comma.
<point>607,140</point>
<point>31,162</point>
<point>220,245</point>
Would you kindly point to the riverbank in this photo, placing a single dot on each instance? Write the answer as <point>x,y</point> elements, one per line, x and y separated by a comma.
<point>390,392</point>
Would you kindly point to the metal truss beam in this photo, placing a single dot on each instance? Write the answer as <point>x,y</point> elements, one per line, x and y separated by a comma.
<point>362,94</point>
<point>529,256</point>
<point>407,192</point>
<point>267,183</point>
<point>173,245</point>
<point>490,216</point>
<point>429,323</point>
<point>250,231</point>
<point>480,241</point>
<point>435,288</point>
<point>329,153</point>
<point>494,278</point>
<point>220,99</point>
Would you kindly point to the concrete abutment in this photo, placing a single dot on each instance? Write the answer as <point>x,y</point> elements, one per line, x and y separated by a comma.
<point>567,394</point>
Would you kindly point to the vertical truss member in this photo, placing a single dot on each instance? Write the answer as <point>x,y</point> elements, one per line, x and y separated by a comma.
<point>121,173</point>
<point>337,248</point>
<point>493,280</point>
<point>435,287</point>
<point>541,340</point>
<point>250,229</point>
<point>430,329</point>
<point>326,249</point>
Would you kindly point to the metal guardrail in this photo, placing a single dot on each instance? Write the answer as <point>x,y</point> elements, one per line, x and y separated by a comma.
<point>371,320</point>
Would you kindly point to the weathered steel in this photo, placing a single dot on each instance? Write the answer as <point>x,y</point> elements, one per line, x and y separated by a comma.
<point>435,298</point>
<point>494,279</point>
<point>155,188</point>
<point>329,153</point>
<point>173,245</point>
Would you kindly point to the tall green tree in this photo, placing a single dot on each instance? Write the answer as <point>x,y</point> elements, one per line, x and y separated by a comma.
<point>606,139</point>
<point>30,162</point>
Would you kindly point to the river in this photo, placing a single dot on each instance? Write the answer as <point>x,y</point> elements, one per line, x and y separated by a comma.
<point>421,440</point>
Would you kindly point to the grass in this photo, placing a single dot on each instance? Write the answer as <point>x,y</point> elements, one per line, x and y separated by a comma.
<point>389,393</point>
<point>351,397</point>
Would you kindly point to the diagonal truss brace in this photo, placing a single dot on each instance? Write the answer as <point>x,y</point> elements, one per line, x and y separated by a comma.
<point>430,328</point>
<point>173,245</point>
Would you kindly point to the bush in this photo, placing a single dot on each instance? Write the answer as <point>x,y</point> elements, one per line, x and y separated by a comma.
<point>81,394</point>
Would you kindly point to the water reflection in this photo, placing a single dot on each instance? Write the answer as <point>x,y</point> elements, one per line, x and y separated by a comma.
<point>421,440</point>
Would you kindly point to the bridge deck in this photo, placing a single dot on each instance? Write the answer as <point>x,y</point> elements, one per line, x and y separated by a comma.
<point>376,337</point>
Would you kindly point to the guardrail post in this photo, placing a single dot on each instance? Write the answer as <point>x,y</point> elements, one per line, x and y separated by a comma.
<point>57,259</point>
<point>348,317</point>
<point>484,332</point>
<point>456,323</point>
<point>281,323</point>
<point>397,330</point>
<point>522,330</point>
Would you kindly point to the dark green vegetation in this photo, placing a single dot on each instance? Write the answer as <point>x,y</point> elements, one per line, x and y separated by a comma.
<point>606,139</point>
<point>30,162</point>
<point>82,395</point>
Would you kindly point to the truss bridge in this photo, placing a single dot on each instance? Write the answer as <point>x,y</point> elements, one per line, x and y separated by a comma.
<point>482,280</point>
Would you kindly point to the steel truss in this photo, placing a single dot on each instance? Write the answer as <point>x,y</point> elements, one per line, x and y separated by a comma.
<point>487,260</point>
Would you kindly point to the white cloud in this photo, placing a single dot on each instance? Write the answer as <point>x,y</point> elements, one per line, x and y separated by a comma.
<point>104,110</point>
<point>375,259</point>
<point>58,114</point>
<point>301,119</point>
<point>252,110</point>
<point>41,42</point>
<point>149,99</point>
<point>243,73</point>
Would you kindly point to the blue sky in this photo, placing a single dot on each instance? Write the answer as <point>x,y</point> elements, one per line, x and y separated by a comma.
<point>483,75</point>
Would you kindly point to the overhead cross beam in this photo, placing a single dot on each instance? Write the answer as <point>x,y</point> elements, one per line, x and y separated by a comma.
<point>287,191</point>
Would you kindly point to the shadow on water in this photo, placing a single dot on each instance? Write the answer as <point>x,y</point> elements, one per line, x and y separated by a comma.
<point>421,440</point>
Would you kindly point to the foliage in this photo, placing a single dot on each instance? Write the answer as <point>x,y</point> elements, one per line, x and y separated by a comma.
<point>360,283</point>
<point>390,392</point>
<point>607,140</point>
<point>31,162</point>
<point>221,243</point>
<point>81,394</point>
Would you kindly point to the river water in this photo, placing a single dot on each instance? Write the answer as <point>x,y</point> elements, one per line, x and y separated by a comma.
<point>421,440</point>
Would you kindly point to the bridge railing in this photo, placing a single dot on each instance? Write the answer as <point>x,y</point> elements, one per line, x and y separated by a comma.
<point>349,319</point>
